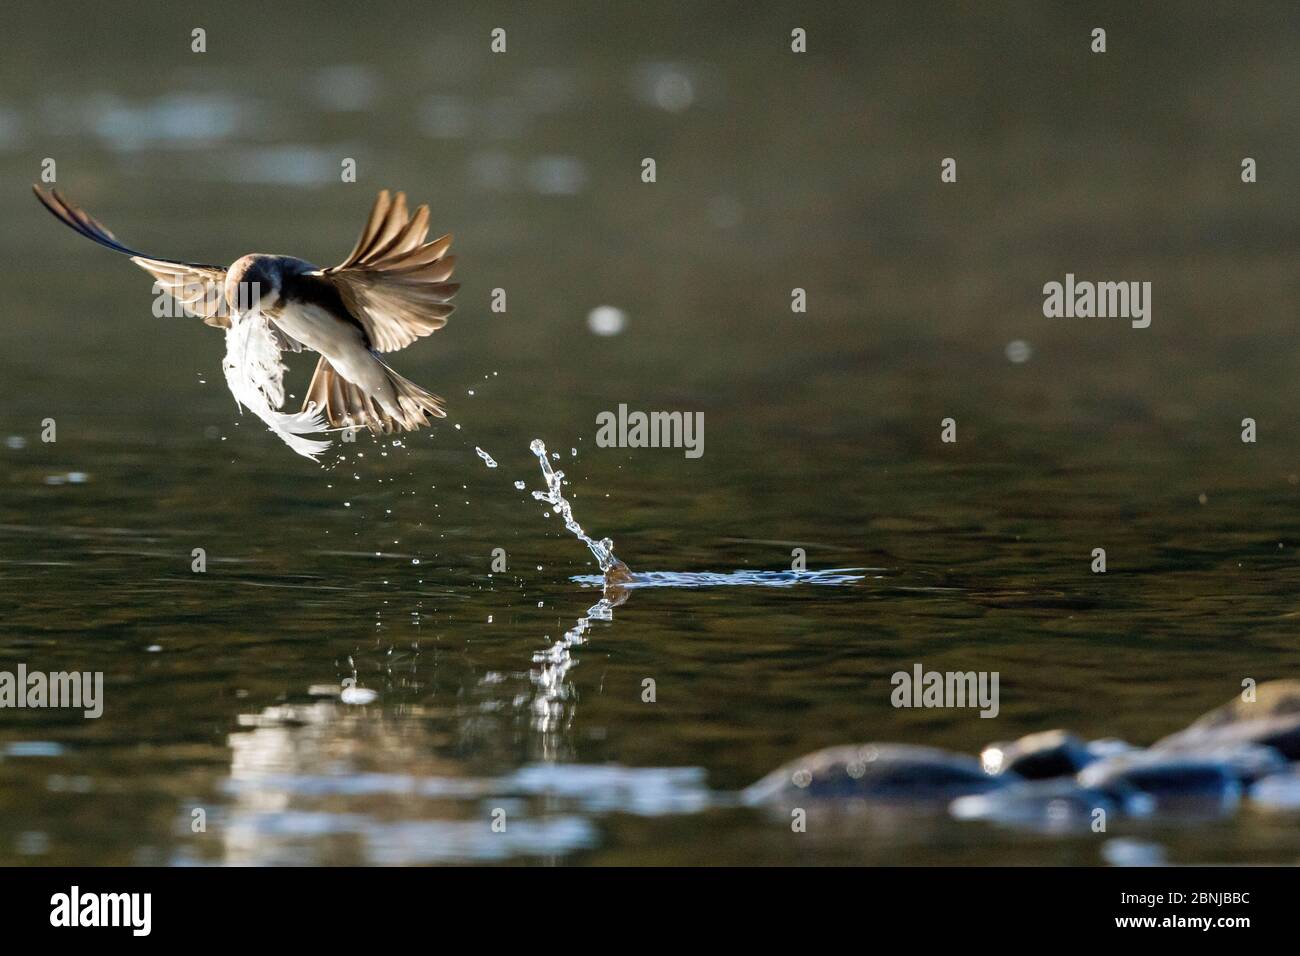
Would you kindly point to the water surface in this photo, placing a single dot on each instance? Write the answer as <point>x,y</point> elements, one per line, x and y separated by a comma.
<point>517,691</point>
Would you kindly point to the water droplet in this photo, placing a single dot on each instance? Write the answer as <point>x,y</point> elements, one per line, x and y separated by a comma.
<point>602,550</point>
<point>606,320</point>
<point>1019,351</point>
<point>358,695</point>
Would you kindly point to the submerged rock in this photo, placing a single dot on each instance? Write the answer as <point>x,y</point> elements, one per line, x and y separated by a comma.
<point>1248,762</point>
<point>1109,747</point>
<point>1175,781</point>
<point>876,772</point>
<point>1056,806</point>
<point>1273,720</point>
<point>1278,792</point>
<point>1051,753</point>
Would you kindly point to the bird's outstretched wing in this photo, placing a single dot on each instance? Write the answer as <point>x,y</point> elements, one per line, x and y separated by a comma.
<point>196,286</point>
<point>394,282</point>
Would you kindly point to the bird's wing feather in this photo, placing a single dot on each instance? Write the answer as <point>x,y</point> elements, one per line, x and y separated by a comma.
<point>198,287</point>
<point>394,282</point>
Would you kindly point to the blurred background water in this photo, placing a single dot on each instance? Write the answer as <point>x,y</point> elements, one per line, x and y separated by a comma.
<point>774,171</point>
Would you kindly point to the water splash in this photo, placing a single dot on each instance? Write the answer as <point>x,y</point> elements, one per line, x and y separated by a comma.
<point>614,570</point>
<point>618,576</point>
<point>487,459</point>
<point>829,577</point>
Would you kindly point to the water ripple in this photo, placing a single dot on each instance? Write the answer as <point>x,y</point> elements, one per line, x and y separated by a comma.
<point>831,577</point>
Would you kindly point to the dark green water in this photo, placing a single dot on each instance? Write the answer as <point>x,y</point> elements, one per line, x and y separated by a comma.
<point>775,171</point>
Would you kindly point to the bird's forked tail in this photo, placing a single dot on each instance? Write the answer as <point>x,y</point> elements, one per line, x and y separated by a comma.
<point>346,405</point>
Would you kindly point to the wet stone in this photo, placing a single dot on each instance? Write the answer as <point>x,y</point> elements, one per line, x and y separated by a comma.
<point>1055,806</point>
<point>1175,781</point>
<point>876,772</point>
<point>1051,753</point>
<point>1109,747</point>
<point>1272,719</point>
<point>1278,792</point>
<point>1248,762</point>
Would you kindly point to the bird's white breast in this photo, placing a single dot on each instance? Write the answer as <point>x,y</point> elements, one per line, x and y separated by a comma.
<point>319,330</point>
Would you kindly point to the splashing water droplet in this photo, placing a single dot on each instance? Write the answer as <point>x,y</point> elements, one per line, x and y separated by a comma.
<point>606,320</point>
<point>358,695</point>
<point>602,550</point>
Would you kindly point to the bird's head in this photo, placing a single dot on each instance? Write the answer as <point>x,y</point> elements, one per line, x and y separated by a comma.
<point>255,284</point>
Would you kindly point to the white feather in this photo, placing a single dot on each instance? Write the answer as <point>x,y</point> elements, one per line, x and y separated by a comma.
<point>255,376</point>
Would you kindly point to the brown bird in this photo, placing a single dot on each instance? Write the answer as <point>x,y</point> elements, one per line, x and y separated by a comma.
<point>391,290</point>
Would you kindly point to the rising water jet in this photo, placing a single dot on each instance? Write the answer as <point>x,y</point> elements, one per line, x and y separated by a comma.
<point>615,572</point>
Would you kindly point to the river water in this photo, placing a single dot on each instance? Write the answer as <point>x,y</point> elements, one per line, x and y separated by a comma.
<point>353,679</point>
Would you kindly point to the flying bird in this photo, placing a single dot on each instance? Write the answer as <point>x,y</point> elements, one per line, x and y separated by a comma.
<point>391,290</point>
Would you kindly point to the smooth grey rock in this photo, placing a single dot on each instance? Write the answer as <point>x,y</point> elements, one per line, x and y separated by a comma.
<point>1040,756</point>
<point>1273,720</point>
<point>1176,782</point>
<point>1278,792</point>
<point>1249,762</point>
<point>1109,747</point>
<point>896,772</point>
<point>1057,806</point>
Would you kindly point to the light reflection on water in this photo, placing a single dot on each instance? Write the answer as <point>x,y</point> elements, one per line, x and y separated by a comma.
<point>550,807</point>
<point>291,785</point>
<point>554,699</point>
